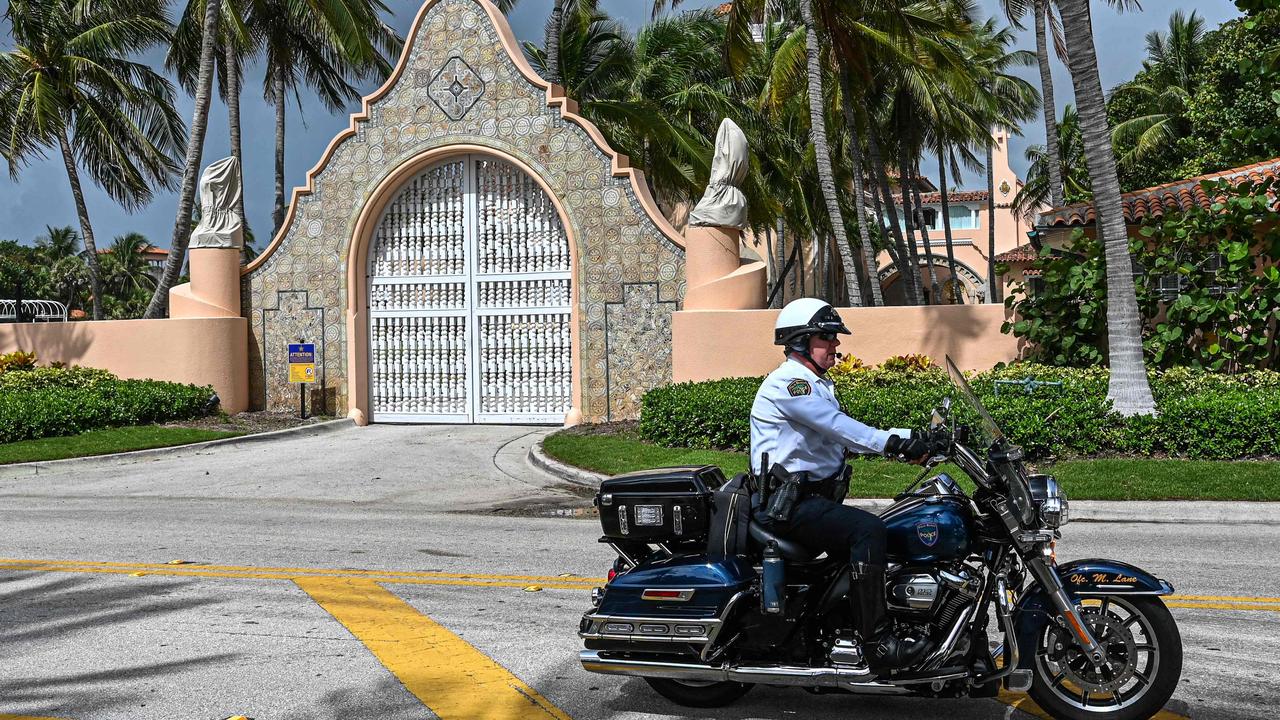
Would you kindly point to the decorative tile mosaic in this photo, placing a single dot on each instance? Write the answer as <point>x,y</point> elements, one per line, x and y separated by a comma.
<point>629,275</point>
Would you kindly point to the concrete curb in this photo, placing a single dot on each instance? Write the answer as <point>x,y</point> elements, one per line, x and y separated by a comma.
<point>17,470</point>
<point>568,473</point>
<point>1096,511</point>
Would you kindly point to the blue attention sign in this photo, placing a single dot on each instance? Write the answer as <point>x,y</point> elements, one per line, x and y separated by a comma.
<point>302,353</point>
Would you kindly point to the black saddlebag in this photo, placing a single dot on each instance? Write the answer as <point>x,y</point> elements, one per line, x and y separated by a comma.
<point>730,518</point>
<point>659,505</point>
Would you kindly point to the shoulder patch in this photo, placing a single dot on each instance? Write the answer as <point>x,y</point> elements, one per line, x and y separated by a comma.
<point>799,387</point>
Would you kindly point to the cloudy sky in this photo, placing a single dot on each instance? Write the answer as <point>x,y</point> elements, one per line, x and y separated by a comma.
<point>42,197</point>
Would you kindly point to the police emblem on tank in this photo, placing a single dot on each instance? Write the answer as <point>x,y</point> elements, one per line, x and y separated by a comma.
<point>927,532</point>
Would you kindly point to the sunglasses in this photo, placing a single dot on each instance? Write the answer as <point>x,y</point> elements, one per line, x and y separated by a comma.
<point>828,336</point>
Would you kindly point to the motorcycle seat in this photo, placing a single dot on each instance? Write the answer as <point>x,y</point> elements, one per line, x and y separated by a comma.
<point>790,549</point>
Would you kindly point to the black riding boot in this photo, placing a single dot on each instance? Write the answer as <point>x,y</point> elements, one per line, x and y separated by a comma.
<point>884,650</point>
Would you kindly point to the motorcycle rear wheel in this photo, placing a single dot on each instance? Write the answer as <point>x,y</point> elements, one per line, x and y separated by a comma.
<point>1144,650</point>
<point>692,693</point>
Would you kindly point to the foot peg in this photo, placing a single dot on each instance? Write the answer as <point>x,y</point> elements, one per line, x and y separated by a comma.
<point>1018,680</point>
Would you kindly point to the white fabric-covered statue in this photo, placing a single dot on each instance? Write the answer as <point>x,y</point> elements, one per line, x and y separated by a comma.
<point>220,223</point>
<point>723,204</point>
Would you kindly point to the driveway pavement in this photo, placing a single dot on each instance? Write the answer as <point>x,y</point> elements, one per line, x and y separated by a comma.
<point>418,572</point>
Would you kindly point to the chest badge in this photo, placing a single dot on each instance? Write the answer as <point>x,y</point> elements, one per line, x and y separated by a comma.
<point>927,531</point>
<point>799,387</point>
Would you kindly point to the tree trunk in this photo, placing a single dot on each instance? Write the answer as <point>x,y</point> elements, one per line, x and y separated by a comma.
<point>191,171</point>
<point>1050,108</point>
<point>957,297</point>
<point>913,250</point>
<point>232,62</point>
<point>555,27</point>
<point>86,230</point>
<point>859,191</point>
<point>993,283</point>
<point>826,176</point>
<point>782,261</point>
<point>1129,390</point>
<point>277,90</point>
<point>934,287</point>
<point>910,287</point>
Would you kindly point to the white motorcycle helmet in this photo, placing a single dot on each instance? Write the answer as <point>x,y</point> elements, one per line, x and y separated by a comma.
<point>804,317</point>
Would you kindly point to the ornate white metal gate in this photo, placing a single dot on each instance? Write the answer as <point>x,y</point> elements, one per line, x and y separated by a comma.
<point>469,299</point>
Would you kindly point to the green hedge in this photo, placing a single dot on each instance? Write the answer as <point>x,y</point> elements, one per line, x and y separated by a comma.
<point>53,401</point>
<point>1202,415</point>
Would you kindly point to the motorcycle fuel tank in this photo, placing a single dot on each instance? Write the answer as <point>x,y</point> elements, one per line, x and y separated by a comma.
<point>925,530</point>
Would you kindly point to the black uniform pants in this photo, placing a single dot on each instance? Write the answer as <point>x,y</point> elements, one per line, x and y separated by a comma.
<point>839,530</point>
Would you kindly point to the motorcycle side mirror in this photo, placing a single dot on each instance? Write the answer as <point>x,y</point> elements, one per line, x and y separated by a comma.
<point>941,413</point>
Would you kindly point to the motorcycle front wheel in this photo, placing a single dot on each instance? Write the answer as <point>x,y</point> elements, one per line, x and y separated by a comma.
<point>701,694</point>
<point>1142,667</point>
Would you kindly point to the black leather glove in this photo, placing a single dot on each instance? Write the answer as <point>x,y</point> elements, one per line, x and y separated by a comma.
<point>911,449</point>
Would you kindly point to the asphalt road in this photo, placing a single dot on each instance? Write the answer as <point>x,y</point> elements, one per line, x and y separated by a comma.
<point>389,571</point>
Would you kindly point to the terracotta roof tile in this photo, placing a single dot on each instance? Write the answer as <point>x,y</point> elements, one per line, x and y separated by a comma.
<point>1155,201</point>
<point>1020,254</point>
<point>935,198</point>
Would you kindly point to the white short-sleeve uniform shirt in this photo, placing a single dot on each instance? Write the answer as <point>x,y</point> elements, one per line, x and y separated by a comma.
<point>797,420</point>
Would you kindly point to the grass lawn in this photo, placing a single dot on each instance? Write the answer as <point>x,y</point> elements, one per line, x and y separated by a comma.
<point>1103,479</point>
<point>102,442</point>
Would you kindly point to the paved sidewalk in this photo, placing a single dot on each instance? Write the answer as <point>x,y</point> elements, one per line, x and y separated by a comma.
<point>1100,511</point>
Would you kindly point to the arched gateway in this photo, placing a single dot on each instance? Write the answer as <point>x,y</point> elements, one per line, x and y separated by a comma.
<point>470,250</point>
<point>469,293</point>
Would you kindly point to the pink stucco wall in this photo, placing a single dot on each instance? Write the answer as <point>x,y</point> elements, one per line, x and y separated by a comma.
<point>711,344</point>
<point>203,351</point>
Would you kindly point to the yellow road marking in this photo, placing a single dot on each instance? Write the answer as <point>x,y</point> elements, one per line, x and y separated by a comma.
<point>442,670</point>
<point>292,576</point>
<point>1023,702</point>
<point>1224,606</point>
<point>1222,598</point>
<point>343,572</point>
<point>413,577</point>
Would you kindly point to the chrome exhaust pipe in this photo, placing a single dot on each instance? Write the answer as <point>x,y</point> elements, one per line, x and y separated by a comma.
<point>853,680</point>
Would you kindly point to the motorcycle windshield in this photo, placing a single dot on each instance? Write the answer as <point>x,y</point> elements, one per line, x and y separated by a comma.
<point>988,423</point>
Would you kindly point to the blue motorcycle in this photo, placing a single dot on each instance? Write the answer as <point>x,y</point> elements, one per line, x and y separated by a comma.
<point>704,604</point>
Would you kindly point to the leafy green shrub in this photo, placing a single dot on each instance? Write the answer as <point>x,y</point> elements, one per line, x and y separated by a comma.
<point>1203,414</point>
<point>916,361</point>
<point>16,361</point>
<point>38,378</point>
<point>713,414</point>
<point>51,409</point>
<point>1207,288</point>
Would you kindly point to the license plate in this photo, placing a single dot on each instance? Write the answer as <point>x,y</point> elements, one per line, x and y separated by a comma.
<point>648,515</point>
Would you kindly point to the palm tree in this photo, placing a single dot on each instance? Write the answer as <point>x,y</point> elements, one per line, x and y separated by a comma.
<point>818,134</point>
<point>69,83</point>
<point>327,45</point>
<point>1075,179</point>
<point>58,243</point>
<point>1129,389</point>
<point>1046,24</point>
<point>128,273</point>
<point>1164,90</point>
<point>857,163</point>
<point>234,45</point>
<point>1004,100</point>
<point>191,167</point>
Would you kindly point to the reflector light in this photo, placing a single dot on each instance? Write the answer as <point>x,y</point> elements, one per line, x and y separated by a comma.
<point>669,595</point>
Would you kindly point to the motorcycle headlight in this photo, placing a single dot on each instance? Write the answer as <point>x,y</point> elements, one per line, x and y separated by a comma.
<point>1050,501</point>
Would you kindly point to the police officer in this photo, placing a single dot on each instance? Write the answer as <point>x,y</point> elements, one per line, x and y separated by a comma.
<point>797,422</point>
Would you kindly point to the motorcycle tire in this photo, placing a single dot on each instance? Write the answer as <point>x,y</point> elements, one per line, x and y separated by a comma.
<point>1060,699</point>
<point>699,694</point>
